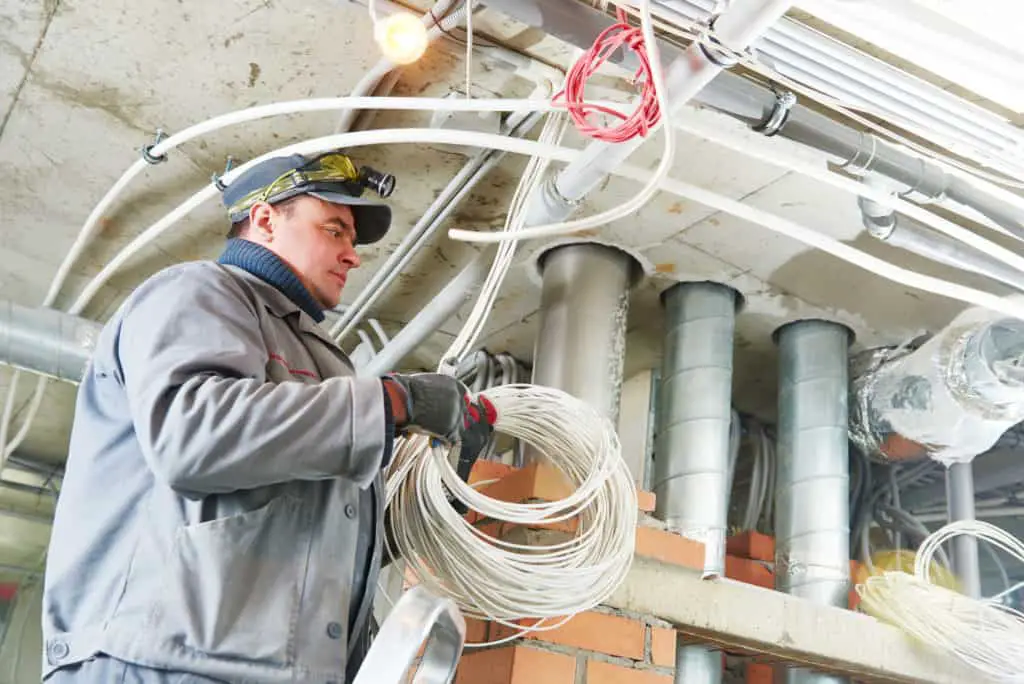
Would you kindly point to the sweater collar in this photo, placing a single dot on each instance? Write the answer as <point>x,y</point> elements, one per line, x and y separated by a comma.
<point>267,266</point>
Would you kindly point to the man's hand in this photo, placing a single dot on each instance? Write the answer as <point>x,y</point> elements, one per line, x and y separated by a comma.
<point>427,402</point>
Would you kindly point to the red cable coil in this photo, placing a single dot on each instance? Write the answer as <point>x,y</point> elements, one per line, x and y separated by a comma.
<point>647,112</point>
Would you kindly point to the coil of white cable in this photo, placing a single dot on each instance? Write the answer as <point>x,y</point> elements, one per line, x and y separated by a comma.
<point>501,580</point>
<point>985,635</point>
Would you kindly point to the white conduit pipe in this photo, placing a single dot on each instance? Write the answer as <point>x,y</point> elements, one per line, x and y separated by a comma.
<point>708,198</point>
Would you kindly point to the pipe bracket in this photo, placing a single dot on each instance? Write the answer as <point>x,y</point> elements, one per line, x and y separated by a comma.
<point>784,102</point>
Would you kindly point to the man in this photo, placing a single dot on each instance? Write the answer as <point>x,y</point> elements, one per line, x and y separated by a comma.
<point>221,517</point>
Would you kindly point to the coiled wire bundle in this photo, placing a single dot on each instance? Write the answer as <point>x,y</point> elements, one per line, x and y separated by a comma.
<point>983,634</point>
<point>501,580</point>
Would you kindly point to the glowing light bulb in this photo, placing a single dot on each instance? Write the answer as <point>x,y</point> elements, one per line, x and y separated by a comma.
<point>401,37</point>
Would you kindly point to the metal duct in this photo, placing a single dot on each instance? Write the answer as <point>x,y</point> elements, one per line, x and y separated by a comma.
<point>580,346</point>
<point>812,518</point>
<point>692,446</point>
<point>691,449</point>
<point>46,341</point>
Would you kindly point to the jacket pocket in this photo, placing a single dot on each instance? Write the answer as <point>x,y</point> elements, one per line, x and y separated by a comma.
<point>233,585</point>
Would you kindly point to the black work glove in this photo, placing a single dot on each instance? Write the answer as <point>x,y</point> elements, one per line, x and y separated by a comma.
<point>433,404</point>
<point>478,420</point>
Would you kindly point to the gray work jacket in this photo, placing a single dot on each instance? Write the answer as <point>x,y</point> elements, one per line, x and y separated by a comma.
<point>211,502</point>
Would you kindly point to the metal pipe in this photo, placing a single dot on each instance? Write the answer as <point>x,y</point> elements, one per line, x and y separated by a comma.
<point>46,341</point>
<point>884,224</point>
<point>812,518</point>
<point>578,24</point>
<point>685,77</point>
<point>436,214</point>
<point>580,344</point>
<point>432,316</point>
<point>692,448</point>
<point>960,497</point>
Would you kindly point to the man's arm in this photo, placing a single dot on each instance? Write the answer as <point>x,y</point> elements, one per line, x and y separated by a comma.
<point>193,360</point>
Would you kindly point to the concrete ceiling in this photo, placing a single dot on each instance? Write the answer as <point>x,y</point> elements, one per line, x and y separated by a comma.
<point>84,84</point>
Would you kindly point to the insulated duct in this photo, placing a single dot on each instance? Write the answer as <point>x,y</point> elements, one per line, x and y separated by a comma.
<point>581,341</point>
<point>692,444</point>
<point>46,341</point>
<point>812,518</point>
<point>950,400</point>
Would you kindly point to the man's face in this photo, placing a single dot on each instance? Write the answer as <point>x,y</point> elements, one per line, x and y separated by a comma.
<point>317,240</point>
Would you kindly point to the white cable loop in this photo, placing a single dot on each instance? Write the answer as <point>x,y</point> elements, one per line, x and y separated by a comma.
<point>504,580</point>
<point>985,635</point>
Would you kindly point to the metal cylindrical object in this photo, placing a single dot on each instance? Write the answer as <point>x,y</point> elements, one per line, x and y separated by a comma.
<point>580,345</point>
<point>960,498</point>
<point>691,450</point>
<point>812,517</point>
<point>46,341</point>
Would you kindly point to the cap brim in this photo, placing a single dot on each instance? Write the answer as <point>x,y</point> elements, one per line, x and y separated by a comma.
<point>372,217</point>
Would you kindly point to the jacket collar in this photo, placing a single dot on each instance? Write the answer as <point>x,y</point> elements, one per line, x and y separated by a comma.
<point>268,267</point>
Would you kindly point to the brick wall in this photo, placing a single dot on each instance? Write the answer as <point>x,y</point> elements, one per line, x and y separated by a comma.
<point>601,646</point>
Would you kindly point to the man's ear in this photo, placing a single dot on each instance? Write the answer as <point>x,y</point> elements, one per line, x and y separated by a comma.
<point>261,225</point>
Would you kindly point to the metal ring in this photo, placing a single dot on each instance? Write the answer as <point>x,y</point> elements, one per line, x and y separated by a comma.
<point>147,150</point>
<point>854,165</point>
<point>713,48</point>
<point>784,103</point>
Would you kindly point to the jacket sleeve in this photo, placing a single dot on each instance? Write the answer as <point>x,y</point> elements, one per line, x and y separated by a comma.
<point>193,362</point>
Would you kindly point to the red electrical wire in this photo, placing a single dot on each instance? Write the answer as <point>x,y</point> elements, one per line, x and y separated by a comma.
<point>647,112</point>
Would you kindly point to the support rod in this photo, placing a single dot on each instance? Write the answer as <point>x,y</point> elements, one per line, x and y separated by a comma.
<point>581,340</point>
<point>432,316</point>
<point>960,495</point>
<point>812,519</point>
<point>691,450</point>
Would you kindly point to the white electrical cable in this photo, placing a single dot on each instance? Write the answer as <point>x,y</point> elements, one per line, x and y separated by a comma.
<point>505,580</point>
<point>519,146</point>
<point>985,635</point>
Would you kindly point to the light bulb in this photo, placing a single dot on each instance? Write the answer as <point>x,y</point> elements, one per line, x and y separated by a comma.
<point>401,37</point>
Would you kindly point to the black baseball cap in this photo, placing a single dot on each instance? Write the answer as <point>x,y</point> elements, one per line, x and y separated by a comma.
<point>310,176</point>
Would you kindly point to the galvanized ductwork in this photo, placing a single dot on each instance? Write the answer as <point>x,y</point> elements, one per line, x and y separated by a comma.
<point>812,518</point>
<point>691,449</point>
<point>581,341</point>
<point>46,341</point>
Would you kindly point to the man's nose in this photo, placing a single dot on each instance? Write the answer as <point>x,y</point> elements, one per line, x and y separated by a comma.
<point>350,257</point>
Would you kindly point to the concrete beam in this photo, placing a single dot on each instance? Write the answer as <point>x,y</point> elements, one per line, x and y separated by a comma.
<point>746,618</point>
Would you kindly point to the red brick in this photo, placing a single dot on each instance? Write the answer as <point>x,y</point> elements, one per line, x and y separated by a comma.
<point>669,547</point>
<point>749,572</point>
<point>663,646</point>
<point>646,500</point>
<point>476,631</point>
<point>753,545</point>
<point>759,673</point>
<point>600,632</point>
<point>606,673</point>
<point>516,665</point>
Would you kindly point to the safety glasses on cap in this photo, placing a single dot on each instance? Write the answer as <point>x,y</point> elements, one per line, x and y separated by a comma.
<point>332,172</point>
